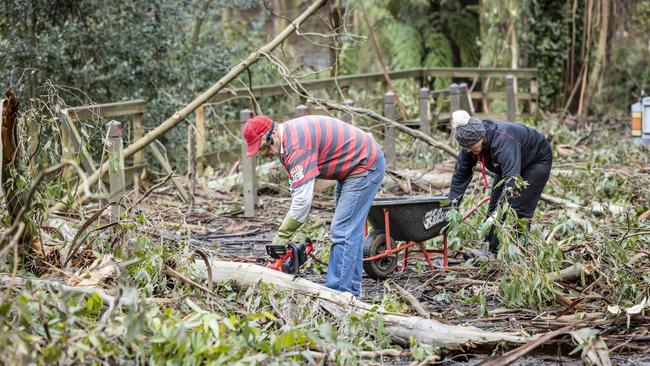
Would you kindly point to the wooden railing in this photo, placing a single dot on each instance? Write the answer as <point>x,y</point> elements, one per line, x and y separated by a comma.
<point>440,102</point>
<point>434,107</point>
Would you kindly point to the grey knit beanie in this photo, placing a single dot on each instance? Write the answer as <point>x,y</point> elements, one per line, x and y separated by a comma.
<point>469,130</point>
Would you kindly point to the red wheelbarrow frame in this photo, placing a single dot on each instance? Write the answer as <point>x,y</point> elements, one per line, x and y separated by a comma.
<point>391,251</point>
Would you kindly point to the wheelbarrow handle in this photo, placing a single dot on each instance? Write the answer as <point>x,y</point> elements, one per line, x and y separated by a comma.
<point>473,209</point>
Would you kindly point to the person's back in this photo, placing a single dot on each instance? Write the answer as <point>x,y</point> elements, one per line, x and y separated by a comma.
<point>327,148</point>
<point>530,142</point>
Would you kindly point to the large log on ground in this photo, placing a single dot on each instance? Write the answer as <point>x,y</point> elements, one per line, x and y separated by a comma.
<point>400,326</point>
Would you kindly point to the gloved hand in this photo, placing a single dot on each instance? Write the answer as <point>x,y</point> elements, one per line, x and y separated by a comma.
<point>286,230</point>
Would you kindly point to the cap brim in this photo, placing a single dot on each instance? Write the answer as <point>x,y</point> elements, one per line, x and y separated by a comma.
<point>253,148</point>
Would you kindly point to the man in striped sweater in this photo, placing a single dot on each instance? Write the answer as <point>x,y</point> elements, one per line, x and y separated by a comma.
<point>323,147</point>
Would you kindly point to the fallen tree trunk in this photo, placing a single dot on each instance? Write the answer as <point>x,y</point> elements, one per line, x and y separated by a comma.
<point>203,98</point>
<point>401,327</point>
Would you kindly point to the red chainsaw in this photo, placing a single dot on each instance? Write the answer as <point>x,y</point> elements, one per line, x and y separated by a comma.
<point>288,259</point>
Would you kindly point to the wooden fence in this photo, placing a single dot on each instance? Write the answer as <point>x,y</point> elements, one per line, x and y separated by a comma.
<point>432,110</point>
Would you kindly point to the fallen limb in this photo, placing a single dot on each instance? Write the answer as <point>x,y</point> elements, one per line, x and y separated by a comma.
<point>400,327</point>
<point>203,97</point>
<point>521,351</point>
<point>568,274</point>
<point>417,306</point>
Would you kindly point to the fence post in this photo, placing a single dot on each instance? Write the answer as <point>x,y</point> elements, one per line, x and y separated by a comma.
<point>465,100</point>
<point>454,97</point>
<point>347,115</point>
<point>116,166</point>
<point>534,95</point>
<point>302,110</point>
<point>191,163</point>
<point>510,98</point>
<point>138,158</point>
<point>389,131</point>
<point>425,120</point>
<point>68,148</point>
<point>249,178</point>
<point>200,139</point>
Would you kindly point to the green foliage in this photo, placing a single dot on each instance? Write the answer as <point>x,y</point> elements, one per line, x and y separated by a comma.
<point>444,34</point>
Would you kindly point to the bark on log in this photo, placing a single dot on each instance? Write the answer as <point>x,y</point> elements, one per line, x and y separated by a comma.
<point>203,98</point>
<point>570,273</point>
<point>401,327</point>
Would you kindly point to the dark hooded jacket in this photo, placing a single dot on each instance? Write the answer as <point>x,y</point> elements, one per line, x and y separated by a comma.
<point>511,148</point>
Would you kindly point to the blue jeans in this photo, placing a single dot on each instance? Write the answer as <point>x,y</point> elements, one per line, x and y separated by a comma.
<point>354,196</point>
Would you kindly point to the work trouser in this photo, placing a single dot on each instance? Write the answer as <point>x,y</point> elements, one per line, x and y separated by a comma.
<point>536,175</point>
<point>354,196</point>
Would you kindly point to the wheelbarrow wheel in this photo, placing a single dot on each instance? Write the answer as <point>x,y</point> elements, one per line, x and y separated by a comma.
<point>375,244</point>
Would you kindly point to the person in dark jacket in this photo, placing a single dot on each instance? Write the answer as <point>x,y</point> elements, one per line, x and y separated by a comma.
<point>509,150</point>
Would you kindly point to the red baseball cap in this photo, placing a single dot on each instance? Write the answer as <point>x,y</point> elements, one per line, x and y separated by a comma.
<point>255,128</point>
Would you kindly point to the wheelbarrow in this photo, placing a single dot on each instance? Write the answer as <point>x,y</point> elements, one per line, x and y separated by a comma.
<point>412,220</point>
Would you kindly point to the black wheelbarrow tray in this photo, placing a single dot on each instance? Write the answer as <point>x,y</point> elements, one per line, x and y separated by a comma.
<point>409,219</point>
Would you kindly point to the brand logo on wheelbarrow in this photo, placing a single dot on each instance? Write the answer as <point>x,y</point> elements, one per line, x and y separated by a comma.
<point>434,217</point>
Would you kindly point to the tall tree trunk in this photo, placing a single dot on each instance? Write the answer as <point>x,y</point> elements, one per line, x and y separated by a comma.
<point>586,49</point>
<point>600,59</point>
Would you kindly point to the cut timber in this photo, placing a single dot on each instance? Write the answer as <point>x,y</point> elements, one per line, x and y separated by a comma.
<point>570,273</point>
<point>400,327</point>
<point>426,180</point>
<point>179,116</point>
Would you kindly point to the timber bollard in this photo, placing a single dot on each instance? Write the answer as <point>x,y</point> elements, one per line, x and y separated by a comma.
<point>534,94</point>
<point>347,115</point>
<point>454,97</point>
<point>302,111</point>
<point>116,166</point>
<point>247,164</point>
<point>425,112</point>
<point>389,131</point>
<point>464,98</point>
<point>511,102</point>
